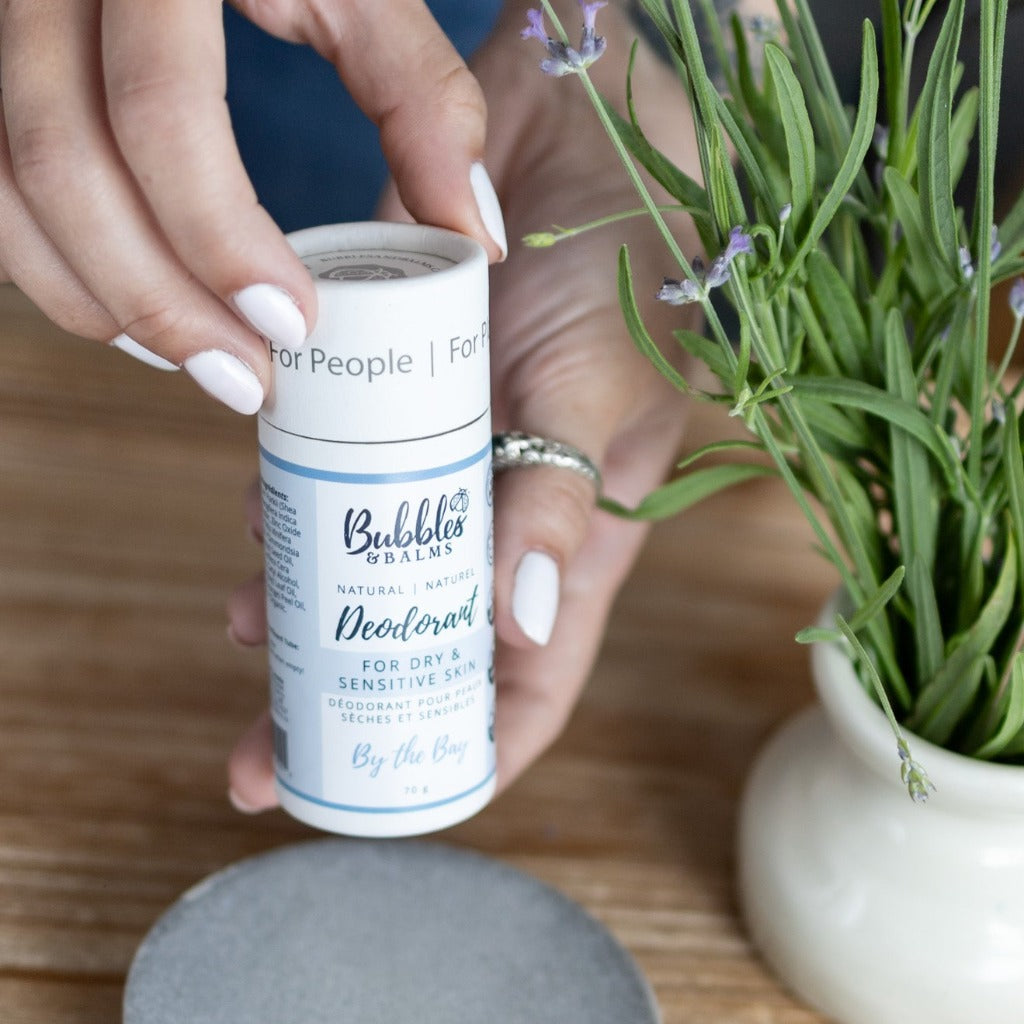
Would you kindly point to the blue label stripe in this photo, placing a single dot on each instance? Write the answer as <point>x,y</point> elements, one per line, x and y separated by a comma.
<point>355,809</point>
<point>375,478</point>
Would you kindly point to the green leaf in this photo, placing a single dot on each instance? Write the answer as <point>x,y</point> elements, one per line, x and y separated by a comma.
<point>753,101</point>
<point>638,331</point>
<point>1012,724</point>
<point>676,182</point>
<point>818,635</point>
<point>875,603</point>
<point>713,32</point>
<point>797,127</point>
<point>716,447</point>
<point>853,161</point>
<point>1011,231</point>
<point>858,395</point>
<point>836,305</point>
<point>914,501</point>
<point>929,646</point>
<point>750,155</point>
<point>961,132</point>
<point>820,359</point>
<point>949,694</point>
<point>679,494</point>
<point>933,141</point>
<point>949,365</point>
<point>834,422</point>
<point>708,352</point>
<point>862,513</point>
<point>726,201</point>
<point>927,274</point>
<point>815,69</point>
<point>1014,462</point>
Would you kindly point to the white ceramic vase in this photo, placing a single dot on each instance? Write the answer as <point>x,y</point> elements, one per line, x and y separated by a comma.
<point>869,907</point>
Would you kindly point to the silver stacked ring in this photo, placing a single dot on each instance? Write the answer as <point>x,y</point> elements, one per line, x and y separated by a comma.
<point>514,448</point>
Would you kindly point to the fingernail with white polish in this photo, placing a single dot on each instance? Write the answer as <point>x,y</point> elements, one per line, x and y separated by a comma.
<point>535,596</point>
<point>131,347</point>
<point>490,208</point>
<point>227,379</point>
<point>272,312</point>
<point>241,805</point>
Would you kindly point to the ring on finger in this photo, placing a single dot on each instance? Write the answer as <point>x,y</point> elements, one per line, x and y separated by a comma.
<point>512,449</point>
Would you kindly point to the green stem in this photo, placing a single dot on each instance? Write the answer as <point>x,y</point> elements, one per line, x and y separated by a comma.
<point>650,206</point>
<point>993,15</point>
<point>826,485</point>
<point>1004,364</point>
<point>559,234</point>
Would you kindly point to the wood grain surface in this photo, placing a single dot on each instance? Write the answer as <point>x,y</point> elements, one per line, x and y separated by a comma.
<point>121,534</point>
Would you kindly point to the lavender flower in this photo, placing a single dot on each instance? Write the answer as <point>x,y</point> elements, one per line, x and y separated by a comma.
<point>563,59</point>
<point>966,266</point>
<point>995,248</point>
<point>677,293</point>
<point>764,29</point>
<point>739,242</point>
<point>915,778</point>
<point>535,29</point>
<point>1017,298</point>
<point>718,274</point>
<point>785,213</point>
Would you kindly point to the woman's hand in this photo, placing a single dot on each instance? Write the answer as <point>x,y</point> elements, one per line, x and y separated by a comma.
<point>563,367</point>
<point>125,212</point>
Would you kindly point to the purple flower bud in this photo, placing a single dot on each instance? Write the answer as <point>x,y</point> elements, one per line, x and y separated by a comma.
<point>1017,298</point>
<point>562,59</point>
<point>995,246</point>
<point>591,45</point>
<point>785,213</point>
<point>535,29</point>
<point>678,293</point>
<point>719,272</point>
<point>738,243</point>
<point>590,12</point>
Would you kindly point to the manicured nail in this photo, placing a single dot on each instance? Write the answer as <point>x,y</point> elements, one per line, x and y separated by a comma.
<point>242,806</point>
<point>227,379</point>
<point>234,639</point>
<point>535,596</point>
<point>140,352</point>
<point>490,208</point>
<point>272,312</point>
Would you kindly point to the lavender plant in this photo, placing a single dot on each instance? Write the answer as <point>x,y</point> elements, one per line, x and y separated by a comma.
<point>861,362</point>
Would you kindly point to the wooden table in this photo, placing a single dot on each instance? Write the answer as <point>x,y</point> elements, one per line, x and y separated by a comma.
<point>121,534</point>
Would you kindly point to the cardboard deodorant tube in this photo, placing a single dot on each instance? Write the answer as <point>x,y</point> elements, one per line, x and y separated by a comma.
<point>375,447</point>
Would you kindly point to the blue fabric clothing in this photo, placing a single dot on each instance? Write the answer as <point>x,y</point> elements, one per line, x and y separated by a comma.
<point>311,154</point>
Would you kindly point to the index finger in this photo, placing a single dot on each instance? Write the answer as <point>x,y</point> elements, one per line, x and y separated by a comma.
<point>407,77</point>
<point>165,81</point>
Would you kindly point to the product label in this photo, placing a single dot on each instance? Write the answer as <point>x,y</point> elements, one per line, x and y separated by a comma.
<point>379,595</point>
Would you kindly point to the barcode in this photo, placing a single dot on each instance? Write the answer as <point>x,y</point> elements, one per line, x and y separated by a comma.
<point>281,746</point>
